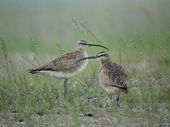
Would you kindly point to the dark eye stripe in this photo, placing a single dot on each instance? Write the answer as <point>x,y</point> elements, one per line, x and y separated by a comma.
<point>102,55</point>
<point>83,43</point>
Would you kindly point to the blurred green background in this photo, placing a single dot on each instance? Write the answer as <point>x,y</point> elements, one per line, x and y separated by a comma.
<point>136,29</point>
<point>118,23</point>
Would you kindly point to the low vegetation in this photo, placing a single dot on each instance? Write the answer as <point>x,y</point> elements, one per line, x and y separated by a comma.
<point>32,34</point>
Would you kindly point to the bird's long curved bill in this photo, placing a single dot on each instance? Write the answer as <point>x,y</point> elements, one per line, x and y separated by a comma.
<point>98,46</point>
<point>90,57</point>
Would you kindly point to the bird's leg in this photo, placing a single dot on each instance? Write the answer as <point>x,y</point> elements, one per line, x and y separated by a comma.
<point>117,99</point>
<point>65,86</point>
<point>110,96</point>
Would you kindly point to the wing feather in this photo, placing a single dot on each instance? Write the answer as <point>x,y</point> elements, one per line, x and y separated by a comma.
<point>65,62</point>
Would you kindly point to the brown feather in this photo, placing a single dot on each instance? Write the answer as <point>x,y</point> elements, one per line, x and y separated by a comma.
<point>113,75</point>
<point>64,63</point>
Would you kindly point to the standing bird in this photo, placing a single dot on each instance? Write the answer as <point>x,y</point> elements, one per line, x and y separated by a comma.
<point>112,76</point>
<point>64,66</point>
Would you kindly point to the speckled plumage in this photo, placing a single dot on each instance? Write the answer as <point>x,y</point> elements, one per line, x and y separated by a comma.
<point>65,64</point>
<point>112,77</point>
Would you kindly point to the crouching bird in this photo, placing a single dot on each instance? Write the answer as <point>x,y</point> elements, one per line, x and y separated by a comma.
<point>112,76</point>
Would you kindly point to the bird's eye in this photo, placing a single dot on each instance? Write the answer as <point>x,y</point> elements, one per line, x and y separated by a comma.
<point>100,55</point>
<point>83,42</point>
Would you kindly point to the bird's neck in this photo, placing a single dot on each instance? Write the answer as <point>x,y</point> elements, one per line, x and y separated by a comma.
<point>105,61</point>
<point>82,50</point>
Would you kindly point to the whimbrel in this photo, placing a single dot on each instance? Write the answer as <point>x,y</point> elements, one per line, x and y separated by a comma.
<point>112,76</point>
<point>64,66</point>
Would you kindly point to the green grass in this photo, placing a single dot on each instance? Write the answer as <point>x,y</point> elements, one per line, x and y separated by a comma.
<point>42,97</point>
<point>138,38</point>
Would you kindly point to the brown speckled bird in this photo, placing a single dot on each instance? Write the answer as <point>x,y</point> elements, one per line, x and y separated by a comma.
<point>64,66</point>
<point>112,76</point>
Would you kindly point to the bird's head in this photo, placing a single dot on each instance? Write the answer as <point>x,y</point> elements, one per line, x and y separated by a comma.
<point>83,45</point>
<point>102,55</point>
